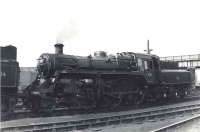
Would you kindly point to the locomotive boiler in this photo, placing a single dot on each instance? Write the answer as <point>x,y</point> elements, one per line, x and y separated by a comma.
<point>103,80</point>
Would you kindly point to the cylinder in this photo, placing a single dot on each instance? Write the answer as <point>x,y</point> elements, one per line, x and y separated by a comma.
<point>59,48</point>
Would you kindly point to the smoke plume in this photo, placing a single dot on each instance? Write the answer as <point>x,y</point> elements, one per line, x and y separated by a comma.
<point>69,31</point>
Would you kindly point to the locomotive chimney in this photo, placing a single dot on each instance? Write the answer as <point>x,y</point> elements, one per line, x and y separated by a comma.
<point>58,48</point>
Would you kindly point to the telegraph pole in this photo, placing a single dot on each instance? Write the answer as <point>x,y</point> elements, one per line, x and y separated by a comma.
<point>148,49</point>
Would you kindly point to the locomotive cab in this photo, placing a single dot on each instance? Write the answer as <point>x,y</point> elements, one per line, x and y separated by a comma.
<point>149,65</point>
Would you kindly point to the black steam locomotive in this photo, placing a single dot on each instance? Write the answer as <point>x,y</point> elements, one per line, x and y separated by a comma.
<point>9,74</point>
<point>103,80</point>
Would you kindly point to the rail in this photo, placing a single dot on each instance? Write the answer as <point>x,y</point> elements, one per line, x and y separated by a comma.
<point>79,124</point>
<point>177,124</point>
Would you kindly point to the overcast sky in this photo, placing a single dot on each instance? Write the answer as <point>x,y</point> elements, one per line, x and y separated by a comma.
<point>85,26</point>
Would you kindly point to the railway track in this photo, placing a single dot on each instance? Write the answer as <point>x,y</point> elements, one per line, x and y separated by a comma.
<point>104,120</point>
<point>173,127</point>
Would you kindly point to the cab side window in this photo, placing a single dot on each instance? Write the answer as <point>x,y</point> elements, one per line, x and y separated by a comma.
<point>140,64</point>
<point>150,65</point>
<point>156,64</point>
<point>145,65</point>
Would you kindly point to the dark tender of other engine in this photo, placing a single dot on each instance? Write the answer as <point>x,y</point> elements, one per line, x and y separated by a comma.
<point>9,74</point>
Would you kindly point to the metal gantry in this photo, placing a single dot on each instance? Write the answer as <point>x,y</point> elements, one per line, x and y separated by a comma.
<point>184,60</point>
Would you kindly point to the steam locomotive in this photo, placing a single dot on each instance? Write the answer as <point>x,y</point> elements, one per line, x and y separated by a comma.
<point>103,80</point>
<point>9,74</point>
